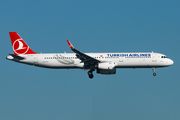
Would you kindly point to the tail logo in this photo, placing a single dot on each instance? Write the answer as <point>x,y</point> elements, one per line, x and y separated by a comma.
<point>20,47</point>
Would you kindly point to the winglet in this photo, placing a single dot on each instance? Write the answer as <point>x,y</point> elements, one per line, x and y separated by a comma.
<point>70,45</point>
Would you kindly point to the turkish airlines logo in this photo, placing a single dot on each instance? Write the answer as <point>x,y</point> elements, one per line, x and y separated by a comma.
<point>20,47</point>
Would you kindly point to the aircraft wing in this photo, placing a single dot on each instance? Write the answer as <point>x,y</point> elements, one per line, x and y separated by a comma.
<point>83,57</point>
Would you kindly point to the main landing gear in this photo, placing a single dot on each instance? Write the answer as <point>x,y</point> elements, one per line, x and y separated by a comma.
<point>154,74</point>
<point>90,74</point>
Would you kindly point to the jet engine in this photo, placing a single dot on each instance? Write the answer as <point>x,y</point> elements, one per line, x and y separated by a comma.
<point>106,68</point>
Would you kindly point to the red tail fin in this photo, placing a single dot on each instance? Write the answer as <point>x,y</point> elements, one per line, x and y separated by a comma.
<point>18,44</point>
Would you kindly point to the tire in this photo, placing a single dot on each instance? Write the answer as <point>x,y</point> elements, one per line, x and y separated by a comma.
<point>154,74</point>
<point>91,76</point>
<point>89,73</point>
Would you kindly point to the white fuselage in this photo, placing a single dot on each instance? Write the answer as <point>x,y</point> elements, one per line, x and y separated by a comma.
<point>119,60</point>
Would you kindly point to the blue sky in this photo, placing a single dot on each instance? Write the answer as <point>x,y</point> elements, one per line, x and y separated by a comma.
<point>28,92</point>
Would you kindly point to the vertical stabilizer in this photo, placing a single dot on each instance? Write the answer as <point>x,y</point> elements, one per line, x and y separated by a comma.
<point>18,44</point>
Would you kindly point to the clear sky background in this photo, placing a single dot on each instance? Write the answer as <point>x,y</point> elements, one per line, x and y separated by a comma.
<point>32,93</point>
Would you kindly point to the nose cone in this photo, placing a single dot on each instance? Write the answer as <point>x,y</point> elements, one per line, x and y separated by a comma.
<point>171,62</point>
<point>168,62</point>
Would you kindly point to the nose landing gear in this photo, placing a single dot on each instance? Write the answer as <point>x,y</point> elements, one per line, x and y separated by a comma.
<point>154,74</point>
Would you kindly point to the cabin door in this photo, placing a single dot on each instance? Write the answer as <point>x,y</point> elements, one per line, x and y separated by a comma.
<point>154,57</point>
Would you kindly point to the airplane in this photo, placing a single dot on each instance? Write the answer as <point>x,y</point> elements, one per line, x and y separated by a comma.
<point>103,63</point>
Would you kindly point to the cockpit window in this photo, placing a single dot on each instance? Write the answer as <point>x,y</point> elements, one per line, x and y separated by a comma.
<point>163,57</point>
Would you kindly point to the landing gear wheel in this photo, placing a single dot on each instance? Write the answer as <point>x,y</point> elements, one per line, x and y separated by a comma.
<point>154,74</point>
<point>90,74</point>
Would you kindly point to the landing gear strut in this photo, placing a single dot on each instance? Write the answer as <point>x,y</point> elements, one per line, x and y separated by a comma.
<point>90,74</point>
<point>92,68</point>
<point>154,74</point>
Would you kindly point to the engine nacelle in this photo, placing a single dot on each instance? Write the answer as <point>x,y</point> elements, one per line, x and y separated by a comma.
<point>106,68</point>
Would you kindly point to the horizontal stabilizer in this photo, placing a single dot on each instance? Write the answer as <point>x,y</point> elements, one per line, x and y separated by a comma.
<point>17,57</point>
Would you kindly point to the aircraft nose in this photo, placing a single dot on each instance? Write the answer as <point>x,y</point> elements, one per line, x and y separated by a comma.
<point>171,62</point>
